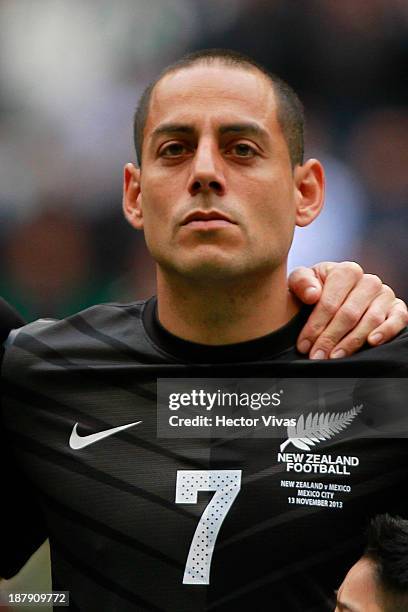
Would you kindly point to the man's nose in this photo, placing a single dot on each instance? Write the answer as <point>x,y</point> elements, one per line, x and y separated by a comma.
<point>206,170</point>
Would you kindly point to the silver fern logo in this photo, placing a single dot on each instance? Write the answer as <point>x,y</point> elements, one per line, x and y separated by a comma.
<point>318,427</point>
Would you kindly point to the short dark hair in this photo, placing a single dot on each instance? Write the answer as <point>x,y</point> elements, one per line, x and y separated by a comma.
<point>289,108</point>
<point>387,547</point>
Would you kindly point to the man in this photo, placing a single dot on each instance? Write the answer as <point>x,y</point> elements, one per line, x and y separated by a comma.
<point>378,582</point>
<point>221,185</point>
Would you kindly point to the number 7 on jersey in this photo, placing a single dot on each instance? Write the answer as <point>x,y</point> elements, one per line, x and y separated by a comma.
<point>226,485</point>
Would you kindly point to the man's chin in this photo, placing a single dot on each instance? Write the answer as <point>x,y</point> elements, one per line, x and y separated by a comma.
<point>214,270</point>
<point>210,271</point>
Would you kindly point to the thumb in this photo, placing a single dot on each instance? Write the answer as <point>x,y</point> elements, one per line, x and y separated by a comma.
<point>322,269</point>
<point>304,283</point>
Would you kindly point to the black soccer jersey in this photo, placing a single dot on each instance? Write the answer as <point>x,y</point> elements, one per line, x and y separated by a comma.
<point>18,546</point>
<point>139,521</point>
<point>9,319</point>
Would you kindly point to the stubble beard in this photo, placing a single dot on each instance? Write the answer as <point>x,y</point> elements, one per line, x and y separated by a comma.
<point>226,272</point>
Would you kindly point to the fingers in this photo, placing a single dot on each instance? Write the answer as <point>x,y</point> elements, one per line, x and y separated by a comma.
<point>359,316</point>
<point>385,317</point>
<point>305,284</point>
<point>353,308</point>
<point>323,268</point>
<point>396,320</point>
<point>340,280</point>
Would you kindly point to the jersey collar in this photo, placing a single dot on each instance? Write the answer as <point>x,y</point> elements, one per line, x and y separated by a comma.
<point>266,347</point>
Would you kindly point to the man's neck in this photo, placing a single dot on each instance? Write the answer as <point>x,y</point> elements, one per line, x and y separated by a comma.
<point>224,313</point>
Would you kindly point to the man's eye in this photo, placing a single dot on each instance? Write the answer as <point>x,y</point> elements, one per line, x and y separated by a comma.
<point>243,150</point>
<point>173,150</point>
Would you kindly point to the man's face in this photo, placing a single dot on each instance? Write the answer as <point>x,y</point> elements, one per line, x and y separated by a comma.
<point>217,192</point>
<point>359,591</point>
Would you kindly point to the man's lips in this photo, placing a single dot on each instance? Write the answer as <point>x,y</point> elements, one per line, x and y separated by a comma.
<point>207,219</point>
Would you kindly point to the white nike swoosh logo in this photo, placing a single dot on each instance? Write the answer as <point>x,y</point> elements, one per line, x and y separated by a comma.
<point>76,441</point>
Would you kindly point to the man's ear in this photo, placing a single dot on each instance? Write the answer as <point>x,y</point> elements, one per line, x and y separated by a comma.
<point>309,191</point>
<point>132,197</point>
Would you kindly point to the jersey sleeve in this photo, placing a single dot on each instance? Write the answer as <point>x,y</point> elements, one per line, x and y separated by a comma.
<point>22,528</point>
<point>9,319</point>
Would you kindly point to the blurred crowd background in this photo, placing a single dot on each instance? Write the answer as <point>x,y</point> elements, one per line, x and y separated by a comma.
<point>70,77</point>
<point>71,73</point>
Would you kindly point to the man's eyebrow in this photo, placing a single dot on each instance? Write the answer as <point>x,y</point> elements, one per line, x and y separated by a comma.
<point>243,128</point>
<point>234,128</point>
<point>172,128</point>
